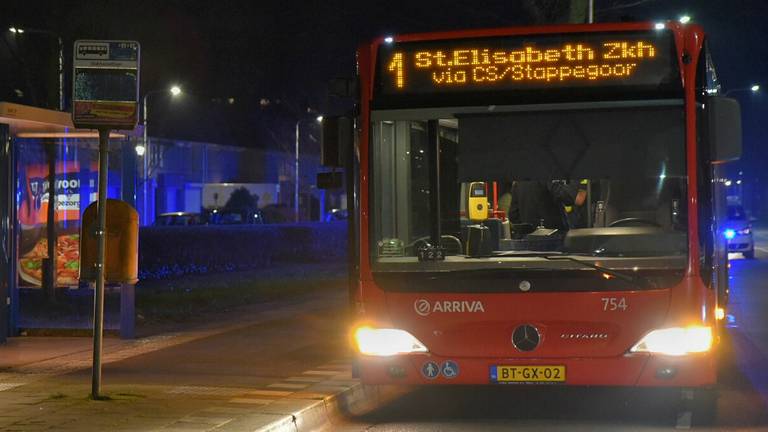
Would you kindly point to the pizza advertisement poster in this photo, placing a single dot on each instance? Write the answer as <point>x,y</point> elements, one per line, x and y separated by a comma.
<point>69,186</point>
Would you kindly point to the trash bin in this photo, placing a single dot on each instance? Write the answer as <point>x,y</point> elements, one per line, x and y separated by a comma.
<point>122,249</point>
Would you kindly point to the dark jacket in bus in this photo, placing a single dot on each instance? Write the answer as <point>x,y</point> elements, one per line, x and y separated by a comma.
<point>537,200</point>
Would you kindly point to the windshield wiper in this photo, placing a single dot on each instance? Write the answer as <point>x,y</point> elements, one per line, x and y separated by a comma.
<point>635,279</point>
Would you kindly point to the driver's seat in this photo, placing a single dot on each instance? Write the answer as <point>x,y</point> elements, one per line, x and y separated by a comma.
<point>623,200</point>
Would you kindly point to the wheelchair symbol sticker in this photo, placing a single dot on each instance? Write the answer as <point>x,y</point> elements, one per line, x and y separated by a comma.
<point>430,370</point>
<point>450,369</point>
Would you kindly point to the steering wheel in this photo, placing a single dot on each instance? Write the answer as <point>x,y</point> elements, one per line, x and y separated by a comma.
<point>457,243</point>
<point>633,221</point>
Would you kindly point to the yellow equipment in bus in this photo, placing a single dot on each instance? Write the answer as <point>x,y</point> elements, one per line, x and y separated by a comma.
<point>477,202</point>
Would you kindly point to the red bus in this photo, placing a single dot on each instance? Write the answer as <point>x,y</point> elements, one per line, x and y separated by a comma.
<point>539,205</point>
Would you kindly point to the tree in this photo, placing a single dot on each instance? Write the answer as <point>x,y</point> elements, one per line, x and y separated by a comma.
<point>242,202</point>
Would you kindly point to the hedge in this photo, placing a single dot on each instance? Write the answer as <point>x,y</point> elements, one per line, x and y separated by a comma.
<point>167,252</point>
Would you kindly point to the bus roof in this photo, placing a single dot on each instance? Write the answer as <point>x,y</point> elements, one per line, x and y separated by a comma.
<point>32,122</point>
<point>531,30</point>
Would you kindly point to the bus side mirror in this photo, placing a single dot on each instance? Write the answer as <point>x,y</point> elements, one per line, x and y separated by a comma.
<point>723,128</point>
<point>335,140</point>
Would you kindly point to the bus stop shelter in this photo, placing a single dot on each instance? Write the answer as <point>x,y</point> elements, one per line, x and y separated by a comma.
<point>39,242</point>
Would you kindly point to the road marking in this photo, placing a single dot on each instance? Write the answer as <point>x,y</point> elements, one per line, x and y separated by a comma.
<point>339,367</point>
<point>328,389</point>
<point>305,379</point>
<point>288,386</point>
<point>252,401</point>
<point>761,249</point>
<point>212,421</point>
<point>317,372</point>
<point>227,410</point>
<point>277,393</point>
<point>8,386</point>
<point>338,382</point>
<point>308,395</point>
<point>202,390</point>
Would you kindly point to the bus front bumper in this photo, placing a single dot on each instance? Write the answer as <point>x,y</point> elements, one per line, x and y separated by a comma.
<point>643,370</point>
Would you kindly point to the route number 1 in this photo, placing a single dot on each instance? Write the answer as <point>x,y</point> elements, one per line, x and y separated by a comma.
<point>396,66</point>
<point>614,303</point>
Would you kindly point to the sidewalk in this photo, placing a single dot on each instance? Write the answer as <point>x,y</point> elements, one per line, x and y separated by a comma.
<point>26,351</point>
<point>45,382</point>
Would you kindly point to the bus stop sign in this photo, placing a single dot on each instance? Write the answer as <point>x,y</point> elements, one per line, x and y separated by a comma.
<point>105,84</point>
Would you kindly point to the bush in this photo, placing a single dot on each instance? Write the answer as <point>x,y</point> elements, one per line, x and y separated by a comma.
<point>167,252</point>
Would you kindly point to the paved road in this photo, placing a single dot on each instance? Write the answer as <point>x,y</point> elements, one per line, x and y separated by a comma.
<point>743,402</point>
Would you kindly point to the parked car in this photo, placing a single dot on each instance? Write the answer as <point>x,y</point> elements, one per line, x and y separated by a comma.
<point>224,217</point>
<point>738,232</point>
<point>178,219</point>
<point>336,215</point>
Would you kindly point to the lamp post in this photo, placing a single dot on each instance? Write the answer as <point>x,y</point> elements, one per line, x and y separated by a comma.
<point>318,119</point>
<point>143,149</point>
<point>20,31</point>
<point>754,88</point>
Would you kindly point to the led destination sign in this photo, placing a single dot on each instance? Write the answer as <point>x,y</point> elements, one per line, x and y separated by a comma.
<point>634,60</point>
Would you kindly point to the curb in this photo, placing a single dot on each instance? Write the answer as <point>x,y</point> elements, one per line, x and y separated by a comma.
<point>324,413</point>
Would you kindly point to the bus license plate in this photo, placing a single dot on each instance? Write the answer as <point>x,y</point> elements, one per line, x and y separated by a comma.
<point>527,374</point>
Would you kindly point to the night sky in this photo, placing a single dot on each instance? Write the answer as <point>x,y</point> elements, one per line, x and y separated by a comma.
<point>285,52</point>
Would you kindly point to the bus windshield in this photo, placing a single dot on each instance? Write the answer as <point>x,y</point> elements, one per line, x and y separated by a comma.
<point>513,189</point>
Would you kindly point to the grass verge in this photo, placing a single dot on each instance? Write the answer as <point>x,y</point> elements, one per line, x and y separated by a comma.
<point>192,297</point>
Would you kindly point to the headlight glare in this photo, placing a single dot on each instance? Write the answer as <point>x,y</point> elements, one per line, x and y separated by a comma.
<point>386,342</point>
<point>676,341</point>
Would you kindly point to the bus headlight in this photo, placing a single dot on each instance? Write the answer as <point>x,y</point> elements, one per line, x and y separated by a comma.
<point>676,341</point>
<point>386,342</point>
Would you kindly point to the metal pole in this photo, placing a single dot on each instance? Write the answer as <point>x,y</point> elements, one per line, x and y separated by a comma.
<point>591,12</point>
<point>98,303</point>
<point>296,186</point>
<point>144,164</point>
<point>7,260</point>
<point>50,263</point>
<point>433,156</point>
<point>61,73</point>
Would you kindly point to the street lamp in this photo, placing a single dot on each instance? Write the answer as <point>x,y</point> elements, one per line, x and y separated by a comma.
<point>175,90</point>
<point>19,31</point>
<point>318,119</point>
<point>141,149</point>
<point>754,88</point>
<point>685,19</point>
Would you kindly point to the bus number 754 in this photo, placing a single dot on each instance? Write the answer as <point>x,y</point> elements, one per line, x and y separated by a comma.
<point>614,303</point>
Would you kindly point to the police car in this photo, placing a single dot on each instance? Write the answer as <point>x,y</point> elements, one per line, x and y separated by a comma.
<point>738,232</point>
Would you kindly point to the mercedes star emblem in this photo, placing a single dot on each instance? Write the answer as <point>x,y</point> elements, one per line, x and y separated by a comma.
<point>526,338</point>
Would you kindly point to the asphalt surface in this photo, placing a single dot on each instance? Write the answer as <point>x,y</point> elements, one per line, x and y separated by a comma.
<point>743,389</point>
